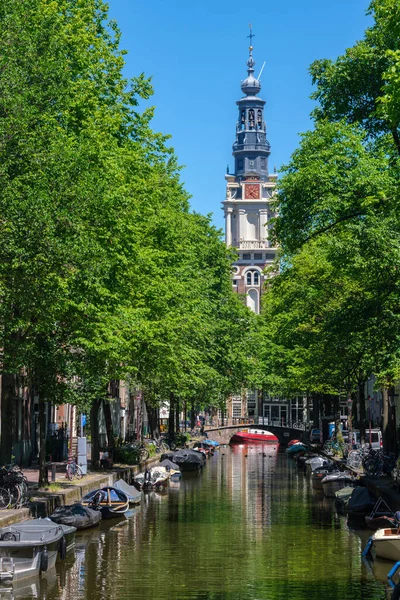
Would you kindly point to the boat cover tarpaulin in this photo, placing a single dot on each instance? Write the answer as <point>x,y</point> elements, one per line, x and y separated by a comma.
<point>360,501</point>
<point>168,464</point>
<point>133,494</point>
<point>185,456</point>
<point>76,515</point>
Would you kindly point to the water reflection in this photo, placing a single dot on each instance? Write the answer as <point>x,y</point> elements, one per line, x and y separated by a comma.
<point>249,527</point>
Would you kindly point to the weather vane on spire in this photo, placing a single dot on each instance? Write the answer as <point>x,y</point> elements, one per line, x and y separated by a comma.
<point>251,36</point>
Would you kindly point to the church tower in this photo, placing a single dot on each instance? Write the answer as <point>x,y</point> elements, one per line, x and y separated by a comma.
<point>249,191</point>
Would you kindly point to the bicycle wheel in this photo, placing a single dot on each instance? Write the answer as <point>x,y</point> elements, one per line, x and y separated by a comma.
<point>143,454</point>
<point>5,498</point>
<point>354,459</point>
<point>70,472</point>
<point>164,447</point>
<point>15,495</point>
<point>23,486</point>
<point>78,472</point>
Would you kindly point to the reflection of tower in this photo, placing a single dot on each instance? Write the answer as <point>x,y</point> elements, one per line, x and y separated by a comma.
<point>247,207</point>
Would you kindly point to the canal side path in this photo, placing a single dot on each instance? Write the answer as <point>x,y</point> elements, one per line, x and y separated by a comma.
<point>43,501</point>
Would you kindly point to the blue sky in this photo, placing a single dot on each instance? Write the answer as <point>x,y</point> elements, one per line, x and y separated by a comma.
<point>196,54</point>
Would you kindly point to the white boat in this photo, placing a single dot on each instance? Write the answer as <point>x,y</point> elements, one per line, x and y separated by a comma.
<point>315,463</point>
<point>386,543</point>
<point>335,482</point>
<point>31,547</point>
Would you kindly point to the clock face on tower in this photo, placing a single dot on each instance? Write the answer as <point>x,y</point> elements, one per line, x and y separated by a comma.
<point>252,191</point>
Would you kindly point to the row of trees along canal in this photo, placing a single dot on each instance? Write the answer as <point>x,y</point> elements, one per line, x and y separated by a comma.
<point>331,317</point>
<point>105,272</point>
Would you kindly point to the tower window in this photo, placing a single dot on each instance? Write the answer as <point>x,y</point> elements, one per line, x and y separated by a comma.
<point>257,256</point>
<point>246,256</point>
<point>253,277</point>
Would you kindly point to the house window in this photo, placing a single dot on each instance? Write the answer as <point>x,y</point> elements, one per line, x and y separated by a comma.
<point>234,282</point>
<point>236,410</point>
<point>246,256</point>
<point>257,256</point>
<point>270,256</point>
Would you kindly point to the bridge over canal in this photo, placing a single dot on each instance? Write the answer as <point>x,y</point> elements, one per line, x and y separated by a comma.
<point>224,433</point>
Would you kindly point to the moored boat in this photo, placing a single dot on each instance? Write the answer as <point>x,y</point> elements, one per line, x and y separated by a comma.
<point>76,515</point>
<point>31,547</point>
<point>110,501</point>
<point>381,516</point>
<point>334,482</point>
<point>186,459</point>
<point>253,435</point>
<point>320,473</point>
<point>386,543</point>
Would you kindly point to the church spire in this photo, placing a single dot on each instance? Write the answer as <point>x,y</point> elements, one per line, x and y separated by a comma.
<point>251,148</point>
<point>251,86</point>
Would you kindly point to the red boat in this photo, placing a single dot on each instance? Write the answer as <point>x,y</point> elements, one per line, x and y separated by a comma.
<point>254,435</point>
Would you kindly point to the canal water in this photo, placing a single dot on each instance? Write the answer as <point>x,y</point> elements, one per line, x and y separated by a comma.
<point>249,527</point>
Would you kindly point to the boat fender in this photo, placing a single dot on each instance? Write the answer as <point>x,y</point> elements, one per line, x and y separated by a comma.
<point>367,548</point>
<point>390,576</point>
<point>62,548</point>
<point>44,560</point>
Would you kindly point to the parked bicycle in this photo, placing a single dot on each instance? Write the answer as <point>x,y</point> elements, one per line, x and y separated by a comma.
<point>13,487</point>
<point>160,445</point>
<point>377,462</point>
<point>73,470</point>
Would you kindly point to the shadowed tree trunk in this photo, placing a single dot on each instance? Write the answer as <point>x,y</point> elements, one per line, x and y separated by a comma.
<point>177,427</point>
<point>385,419</point>
<point>43,474</point>
<point>94,428</point>
<point>109,424</point>
<point>152,416</point>
<point>171,419</point>
<point>363,414</point>
<point>8,398</point>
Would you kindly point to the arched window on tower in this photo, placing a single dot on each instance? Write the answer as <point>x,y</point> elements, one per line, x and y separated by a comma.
<point>251,118</point>
<point>253,277</point>
<point>259,118</point>
<point>242,119</point>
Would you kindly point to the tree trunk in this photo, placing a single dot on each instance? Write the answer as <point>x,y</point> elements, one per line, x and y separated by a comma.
<point>385,419</point>
<point>152,415</point>
<point>185,416</point>
<point>363,415</point>
<point>171,419</point>
<point>43,474</point>
<point>192,415</point>
<point>315,409</point>
<point>8,398</point>
<point>177,425</point>
<point>94,428</point>
<point>109,424</point>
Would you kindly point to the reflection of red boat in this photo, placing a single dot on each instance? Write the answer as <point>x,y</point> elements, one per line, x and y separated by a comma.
<point>254,435</point>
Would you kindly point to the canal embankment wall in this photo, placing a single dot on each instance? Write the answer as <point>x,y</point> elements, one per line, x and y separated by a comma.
<point>62,492</point>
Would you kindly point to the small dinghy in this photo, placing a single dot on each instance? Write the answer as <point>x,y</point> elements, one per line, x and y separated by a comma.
<point>334,482</point>
<point>342,498</point>
<point>134,496</point>
<point>386,543</point>
<point>297,447</point>
<point>320,473</point>
<point>315,462</point>
<point>76,515</point>
<point>173,469</point>
<point>382,516</point>
<point>110,501</point>
<point>155,479</point>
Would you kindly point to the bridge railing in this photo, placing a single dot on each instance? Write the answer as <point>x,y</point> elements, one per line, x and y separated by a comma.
<point>233,421</point>
<point>281,423</point>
